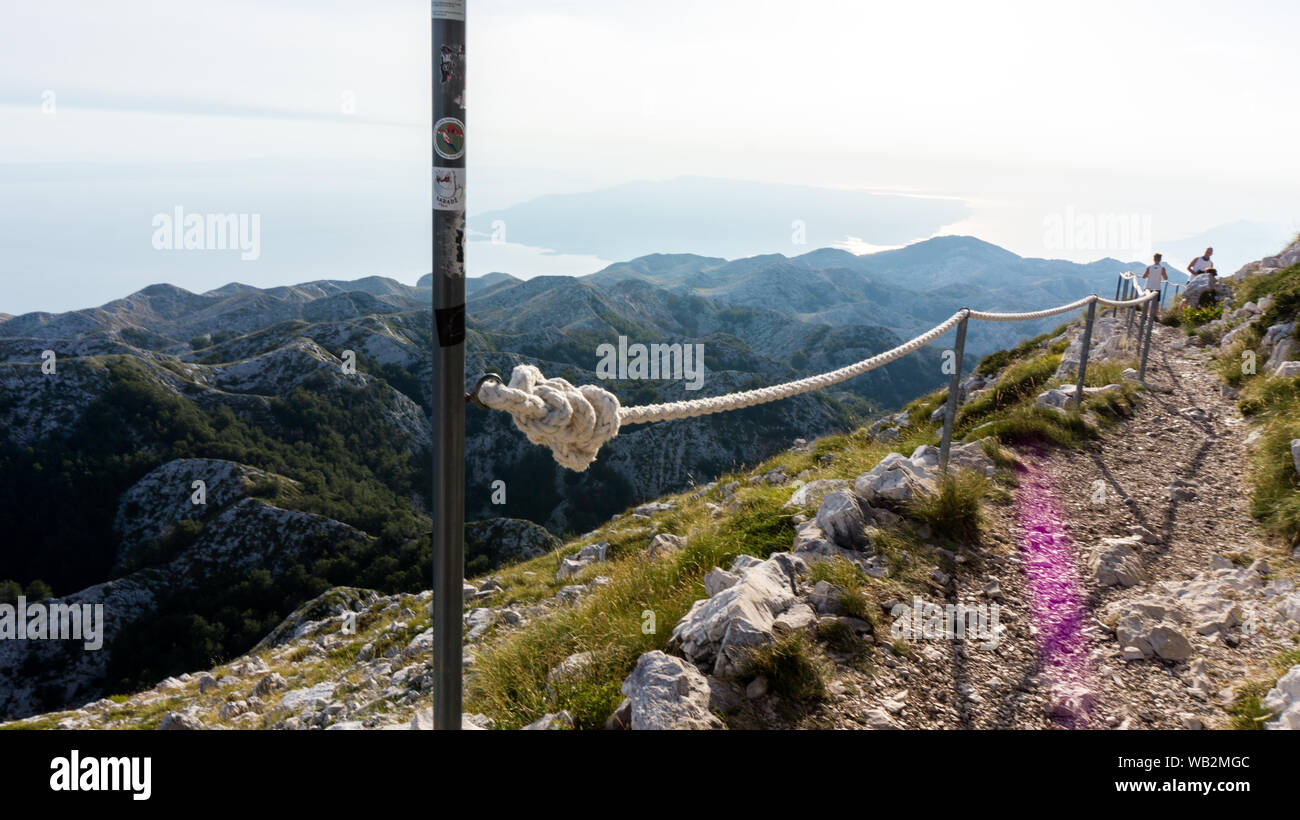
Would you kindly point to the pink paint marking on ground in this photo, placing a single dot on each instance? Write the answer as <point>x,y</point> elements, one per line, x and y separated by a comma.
<point>1056,598</point>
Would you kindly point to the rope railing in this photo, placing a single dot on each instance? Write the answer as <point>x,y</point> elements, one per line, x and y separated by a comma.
<point>574,422</point>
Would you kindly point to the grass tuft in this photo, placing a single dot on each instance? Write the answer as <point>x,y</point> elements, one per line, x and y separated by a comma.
<point>793,666</point>
<point>954,511</point>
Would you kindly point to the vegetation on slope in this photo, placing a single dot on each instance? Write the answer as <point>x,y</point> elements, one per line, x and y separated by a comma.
<point>634,612</point>
<point>1273,403</point>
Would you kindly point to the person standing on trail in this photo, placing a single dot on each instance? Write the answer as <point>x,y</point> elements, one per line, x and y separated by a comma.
<point>1202,264</point>
<point>1155,276</point>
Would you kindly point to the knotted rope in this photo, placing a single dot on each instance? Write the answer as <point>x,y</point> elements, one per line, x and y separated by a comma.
<point>572,421</point>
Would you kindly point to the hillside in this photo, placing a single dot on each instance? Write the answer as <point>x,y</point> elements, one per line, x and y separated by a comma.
<point>313,400</point>
<point>1140,553</point>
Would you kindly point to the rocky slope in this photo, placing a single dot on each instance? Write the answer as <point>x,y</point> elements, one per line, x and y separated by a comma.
<point>1133,587</point>
<point>805,560</point>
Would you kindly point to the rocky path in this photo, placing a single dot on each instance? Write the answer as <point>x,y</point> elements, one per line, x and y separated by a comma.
<point>1185,607</point>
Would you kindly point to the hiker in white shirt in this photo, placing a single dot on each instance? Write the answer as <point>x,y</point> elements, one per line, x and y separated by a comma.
<point>1155,276</point>
<point>1202,264</point>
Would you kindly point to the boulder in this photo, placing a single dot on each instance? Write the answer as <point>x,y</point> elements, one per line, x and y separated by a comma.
<point>270,684</point>
<point>588,555</point>
<point>1061,397</point>
<point>1116,562</point>
<point>898,479</point>
<point>1283,701</point>
<point>812,493</point>
<point>1107,343</point>
<point>1151,627</point>
<point>479,620</point>
<point>180,721</point>
<point>1199,287</point>
<point>664,544</point>
<point>666,692</point>
<point>844,521</point>
<point>717,630</point>
<point>797,617</point>
<point>1295,453</point>
<point>718,580</point>
<point>551,722</point>
<point>1287,370</point>
<point>894,481</point>
<point>826,598</point>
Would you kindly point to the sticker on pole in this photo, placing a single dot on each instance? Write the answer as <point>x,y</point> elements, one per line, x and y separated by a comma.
<point>449,189</point>
<point>451,62</point>
<point>449,9</point>
<point>449,138</point>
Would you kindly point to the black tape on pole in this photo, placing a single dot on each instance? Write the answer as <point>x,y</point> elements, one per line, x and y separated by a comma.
<point>451,325</point>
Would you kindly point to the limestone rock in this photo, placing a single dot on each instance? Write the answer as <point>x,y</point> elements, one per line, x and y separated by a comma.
<point>666,692</point>
<point>1116,562</point>
<point>1283,701</point>
<point>551,722</point>
<point>718,630</point>
<point>812,493</point>
<point>842,519</point>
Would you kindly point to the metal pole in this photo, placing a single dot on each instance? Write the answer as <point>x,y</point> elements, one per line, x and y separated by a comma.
<point>1128,294</point>
<point>1083,356</point>
<point>950,414</point>
<point>449,359</point>
<point>1119,284</point>
<point>1146,347</point>
<point>1146,318</point>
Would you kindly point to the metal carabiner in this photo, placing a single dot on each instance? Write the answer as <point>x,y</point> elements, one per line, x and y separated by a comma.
<point>472,396</point>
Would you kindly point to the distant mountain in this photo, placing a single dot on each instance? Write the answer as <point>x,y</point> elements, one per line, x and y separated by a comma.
<point>716,217</point>
<point>907,290</point>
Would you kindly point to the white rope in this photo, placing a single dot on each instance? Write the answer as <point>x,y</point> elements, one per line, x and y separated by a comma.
<point>1038,314</point>
<point>574,422</point>
<point>762,395</point>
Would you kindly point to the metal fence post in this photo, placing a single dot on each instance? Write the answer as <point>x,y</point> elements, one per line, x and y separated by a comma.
<point>1083,355</point>
<point>448,184</point>
<point>1129,294</point>
<point>1146,347</point>
<point>950,414</point>
<point>1119,284</point>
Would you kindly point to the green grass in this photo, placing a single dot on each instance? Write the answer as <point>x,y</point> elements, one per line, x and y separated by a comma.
<point>793,666</point>
<point>1230,363</point>
<point>1021,380</point>
<point>1275,404</point>
<point>995,362</point>
<point>1247,710</point>
<point>846,575</point>
<point>1031,423</point>
<point>1282,285</point>
<point>510,680</point>
<point>955,510</point>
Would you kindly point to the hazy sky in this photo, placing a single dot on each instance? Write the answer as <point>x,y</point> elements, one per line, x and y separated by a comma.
<point>316,112</point>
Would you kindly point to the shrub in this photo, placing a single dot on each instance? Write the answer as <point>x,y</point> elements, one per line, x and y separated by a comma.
<point>955,509</point>
<point>793,667</point>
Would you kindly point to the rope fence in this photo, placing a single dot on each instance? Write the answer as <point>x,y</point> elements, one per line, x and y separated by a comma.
<point>575,422</point>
